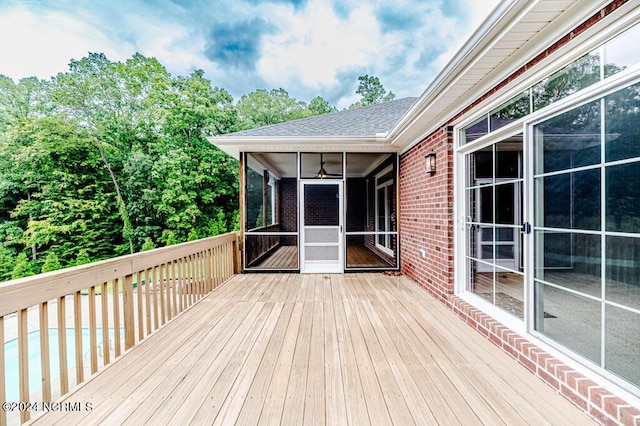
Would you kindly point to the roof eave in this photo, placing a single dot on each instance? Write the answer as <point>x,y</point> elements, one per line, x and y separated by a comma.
<point>419,122</point>
<point>234,145</point>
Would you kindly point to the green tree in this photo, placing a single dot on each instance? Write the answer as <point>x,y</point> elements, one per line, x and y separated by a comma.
<point>148,244</point>
<point>319,106</point>
<point>7,263</point>
<point>23,267</point>
<point>372,92</point>
<point>51,263</point>
<point>263,108</point>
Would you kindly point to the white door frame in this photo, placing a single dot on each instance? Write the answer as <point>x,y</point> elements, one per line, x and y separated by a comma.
<point>330,265</point>
<point>513,263</point>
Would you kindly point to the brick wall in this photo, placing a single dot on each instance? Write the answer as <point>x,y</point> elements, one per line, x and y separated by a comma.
<point>321,205</point>
<point>426,212</point>
<point>426,222</point>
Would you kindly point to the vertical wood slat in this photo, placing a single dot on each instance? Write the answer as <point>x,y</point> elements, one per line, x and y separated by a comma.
<point>174,285</point>
<point>237,263</point>
<point>93,332</point>
<point>192,281</point>
<point>183,290</point>
<point>209,256</point>
<point>45,363</point>
<point>161,281</point>
<point>3,392</point>
<point>140,311</point>
<point>115,291</point>
<point>106,351</point>
<point>77,324</point>
<point>216,267</point>
<point>201,274</point>
<point>167,295</point>
<point>129,316</point>
<point>23,362</point>
<point>165,291</point>
<point>197,265</point>
<point>214,277</point>
<point>147,299</point>
<point>62,345</point>
<point>182,282</point>
<point>169,288</point>
<point>154,279</point>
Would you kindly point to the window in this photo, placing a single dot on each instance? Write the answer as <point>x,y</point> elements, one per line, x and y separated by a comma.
<point>605,61</point>
<point>384,210</point>
<point>493,220</point>
<point>587,231</point>
<point>574,174</point>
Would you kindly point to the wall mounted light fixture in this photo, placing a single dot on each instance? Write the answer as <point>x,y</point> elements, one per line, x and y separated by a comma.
<point>430,162</point>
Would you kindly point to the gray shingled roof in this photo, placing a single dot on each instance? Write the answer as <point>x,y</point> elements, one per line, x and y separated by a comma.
<point>365,121</point>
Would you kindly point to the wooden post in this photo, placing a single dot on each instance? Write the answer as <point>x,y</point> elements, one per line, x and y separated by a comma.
<point>115,290</point>
<point>93,330</point>
<point>77,324</point>
<point>23,362</point>
<point>243,206</point>
<point>105,324</point>
<point>44,352</point>
<point>237,250</point>
<point>3,394</point>
<point>62,345</point>
<point>128,306</point>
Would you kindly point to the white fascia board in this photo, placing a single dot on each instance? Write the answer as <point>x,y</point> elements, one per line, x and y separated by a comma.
<point>412,130</point>
<point>458,64</point>
<point>234,145</point>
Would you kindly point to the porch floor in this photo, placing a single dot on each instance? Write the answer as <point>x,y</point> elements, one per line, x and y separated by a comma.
<point>317,349</point>
<point>358,256</point>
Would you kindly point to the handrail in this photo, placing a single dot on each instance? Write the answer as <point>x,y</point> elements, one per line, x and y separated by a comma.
<point>134,294</point>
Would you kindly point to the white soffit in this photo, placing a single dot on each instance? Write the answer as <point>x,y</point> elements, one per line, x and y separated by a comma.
<point>515,33</point>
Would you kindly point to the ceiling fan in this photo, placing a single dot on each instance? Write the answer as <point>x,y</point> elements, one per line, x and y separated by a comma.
<point>322,173</point>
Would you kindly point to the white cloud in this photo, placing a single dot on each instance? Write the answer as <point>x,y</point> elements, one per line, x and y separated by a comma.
<point>313,51</point>
<point>317,45</point>
<point>41,45</point>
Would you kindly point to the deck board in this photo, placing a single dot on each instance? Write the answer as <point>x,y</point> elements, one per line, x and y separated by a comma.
<point>317,349</point>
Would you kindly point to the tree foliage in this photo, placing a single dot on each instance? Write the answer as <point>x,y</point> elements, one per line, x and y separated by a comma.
<point>112,157</point>
<point>372,92</point>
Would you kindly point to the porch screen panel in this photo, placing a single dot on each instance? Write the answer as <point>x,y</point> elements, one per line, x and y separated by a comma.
<point>271,211</point>
<point>371,211</point>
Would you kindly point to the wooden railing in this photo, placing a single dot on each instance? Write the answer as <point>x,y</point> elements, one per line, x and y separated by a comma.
<point>106,307</point>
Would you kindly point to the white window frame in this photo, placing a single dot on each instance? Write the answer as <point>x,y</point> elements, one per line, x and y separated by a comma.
<point>627,77</point>
<point>387,213</point>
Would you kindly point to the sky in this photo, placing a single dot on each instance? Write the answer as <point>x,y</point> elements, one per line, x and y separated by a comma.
<point>307,47</point>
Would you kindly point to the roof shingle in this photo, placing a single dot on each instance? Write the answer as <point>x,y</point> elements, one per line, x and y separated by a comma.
<point>365,121</point>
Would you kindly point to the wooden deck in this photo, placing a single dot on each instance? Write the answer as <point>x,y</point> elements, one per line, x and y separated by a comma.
<point>317,349</point>
<point>358,256</point>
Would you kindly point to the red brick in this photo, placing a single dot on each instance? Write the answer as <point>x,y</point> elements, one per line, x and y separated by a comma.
<point>584,385</point>
<point>611,405</point>
<point>552,381</point>
<point>573,397</point>
<point>527,363</point>
<point>600,417</point>
<point>597,395</point>
<point>572,379</point>
<point>629,415</point>
<point>562,370</point>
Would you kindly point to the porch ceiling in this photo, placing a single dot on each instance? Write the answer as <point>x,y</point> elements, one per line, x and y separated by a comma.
<point>283,165</point>
<point>317,349</point>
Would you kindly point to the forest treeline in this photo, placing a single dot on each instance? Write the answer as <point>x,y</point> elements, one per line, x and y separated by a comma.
<point>111,158</point>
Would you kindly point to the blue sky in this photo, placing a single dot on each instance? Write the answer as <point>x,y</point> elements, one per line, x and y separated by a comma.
<point>307,47</point>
